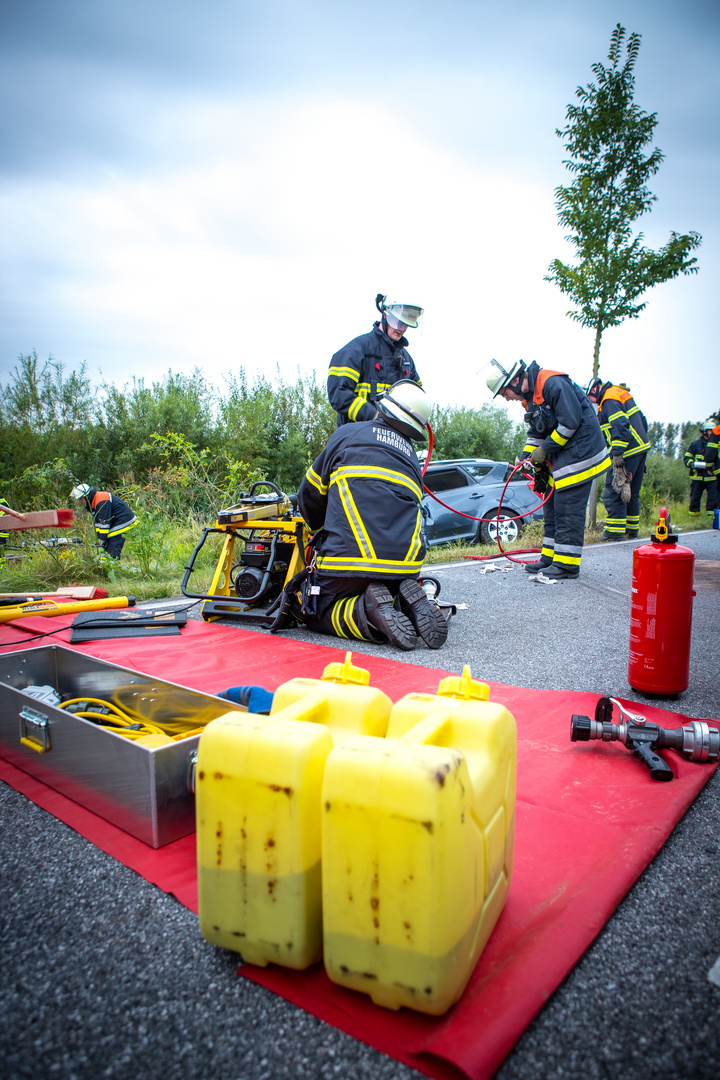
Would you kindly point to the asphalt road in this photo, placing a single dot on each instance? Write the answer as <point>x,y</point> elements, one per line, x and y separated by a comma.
<point>103,975</point>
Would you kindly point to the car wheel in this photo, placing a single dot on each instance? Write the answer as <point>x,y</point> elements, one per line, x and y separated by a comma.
<point>509,529</point>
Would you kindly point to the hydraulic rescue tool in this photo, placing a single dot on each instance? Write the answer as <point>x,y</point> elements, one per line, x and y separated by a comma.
<point>48,608</point>
<point>697,741</point>
<point>271,539</point>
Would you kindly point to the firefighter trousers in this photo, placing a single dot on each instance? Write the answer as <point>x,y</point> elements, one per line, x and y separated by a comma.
<point>340,608</point>
<point>696,493</point>
<point>624,517</point>
<point>564,525</point>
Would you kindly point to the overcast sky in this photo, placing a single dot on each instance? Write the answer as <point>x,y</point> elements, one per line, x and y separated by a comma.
<point>220,184</point>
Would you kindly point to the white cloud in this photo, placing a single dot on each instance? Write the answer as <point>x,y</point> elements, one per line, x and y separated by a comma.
<point>265,241</point>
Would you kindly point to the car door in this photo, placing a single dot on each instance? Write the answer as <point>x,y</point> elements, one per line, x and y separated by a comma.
<point>454,487</point>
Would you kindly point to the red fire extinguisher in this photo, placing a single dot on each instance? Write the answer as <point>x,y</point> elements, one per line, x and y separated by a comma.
<point>661,613</point>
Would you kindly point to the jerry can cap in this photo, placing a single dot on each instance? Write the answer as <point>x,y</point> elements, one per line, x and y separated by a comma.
<point>346,672</point>
<point>464,686</point>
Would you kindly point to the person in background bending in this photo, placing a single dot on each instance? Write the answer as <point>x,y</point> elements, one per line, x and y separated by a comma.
<point>112,517</point>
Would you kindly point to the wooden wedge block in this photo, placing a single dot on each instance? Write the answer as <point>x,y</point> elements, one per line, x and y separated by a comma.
<point>79,592</point>
<point>38,519</point>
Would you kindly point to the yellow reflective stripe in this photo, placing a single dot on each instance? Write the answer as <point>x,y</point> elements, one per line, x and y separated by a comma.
<point>353,515</point>
<point>355,408</point>
<point>345,373</point>
<point>374,472</point>
<point>313,478</point>
<point>567,560</point>
<point>122,529</point>
<point>556,437</point>
<point>335,618</point>
<point>348,617</point>
<point>341,563</point>
<point>586,474</point>
<point>417,538</point>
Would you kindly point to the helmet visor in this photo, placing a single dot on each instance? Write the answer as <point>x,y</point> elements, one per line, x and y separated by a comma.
<point>403,316</point>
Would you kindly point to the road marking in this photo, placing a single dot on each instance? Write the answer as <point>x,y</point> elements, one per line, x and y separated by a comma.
<point>714,972</point>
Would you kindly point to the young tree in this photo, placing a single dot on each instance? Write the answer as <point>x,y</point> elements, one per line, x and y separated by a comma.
<point>605,138</point>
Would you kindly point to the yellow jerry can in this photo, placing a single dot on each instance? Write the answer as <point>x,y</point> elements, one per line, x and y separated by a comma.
<point>417,846</point>
<point>258,807</point>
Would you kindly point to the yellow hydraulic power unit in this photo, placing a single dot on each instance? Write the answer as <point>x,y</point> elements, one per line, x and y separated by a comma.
<point>263,548</point>
<point>417,846</point>
<point>258,805</point>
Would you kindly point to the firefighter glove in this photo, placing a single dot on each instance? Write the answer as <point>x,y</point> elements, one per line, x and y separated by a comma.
<point>621,479</point>
<point>538,455</point>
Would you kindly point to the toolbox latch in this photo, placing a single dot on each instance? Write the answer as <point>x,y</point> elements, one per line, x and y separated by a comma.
<point>35,730</point>
<point>191,768</point>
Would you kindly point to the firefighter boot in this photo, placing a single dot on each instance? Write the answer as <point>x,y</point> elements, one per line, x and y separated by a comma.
<point>533,567</point>
<point>427,618</point>
<point>383,616</point>
<point>558,571</point>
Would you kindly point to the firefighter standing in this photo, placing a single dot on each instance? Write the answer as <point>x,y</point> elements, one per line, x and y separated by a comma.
<point>625,429</point>
<point>701,458</point>
<point>112,517</point>
<point>361,496</point>
<point>372,363</point>
<point>564,430</point>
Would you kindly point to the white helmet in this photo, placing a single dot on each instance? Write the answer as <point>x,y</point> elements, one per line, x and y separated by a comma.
<point>707,425</point>
<point>500,381</point>
<point>399,316</point>
<point>79,491</point>
<point>406,407</point>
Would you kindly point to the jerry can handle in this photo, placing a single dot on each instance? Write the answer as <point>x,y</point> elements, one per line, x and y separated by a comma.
<point>35,730</point>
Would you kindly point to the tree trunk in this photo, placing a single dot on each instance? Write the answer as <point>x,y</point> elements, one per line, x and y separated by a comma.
<point>592,501</point>
<point>596,350</point>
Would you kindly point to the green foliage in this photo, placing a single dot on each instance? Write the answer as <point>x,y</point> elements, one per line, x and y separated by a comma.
<point>281,431</point>
<point>605,137</point>
<point>486,432</point>
<point>666,479</point>
<point>189,483</point>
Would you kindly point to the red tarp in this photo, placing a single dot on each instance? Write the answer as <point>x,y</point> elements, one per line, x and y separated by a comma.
<point>589,819</point>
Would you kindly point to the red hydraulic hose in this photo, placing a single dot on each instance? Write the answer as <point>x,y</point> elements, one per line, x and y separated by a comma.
<point>483,558</point>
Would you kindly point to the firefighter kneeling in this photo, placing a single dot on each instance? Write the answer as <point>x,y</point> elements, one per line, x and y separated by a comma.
<point>361,497</point>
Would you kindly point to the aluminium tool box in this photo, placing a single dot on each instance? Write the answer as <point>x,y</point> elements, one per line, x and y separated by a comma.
<point>146,791</point>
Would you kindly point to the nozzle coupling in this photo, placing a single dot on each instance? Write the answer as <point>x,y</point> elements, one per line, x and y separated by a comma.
<point>696,741</point>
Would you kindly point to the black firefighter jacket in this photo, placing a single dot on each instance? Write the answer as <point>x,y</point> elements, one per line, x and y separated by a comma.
<point>364,492</point>
<point>111,516</point>
<point>701,458</point>
<point>622,422</point>
<point>362,369</point>
<point>564,423</point>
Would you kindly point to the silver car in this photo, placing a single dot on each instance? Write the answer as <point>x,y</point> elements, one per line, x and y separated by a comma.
<point>474,486</point>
